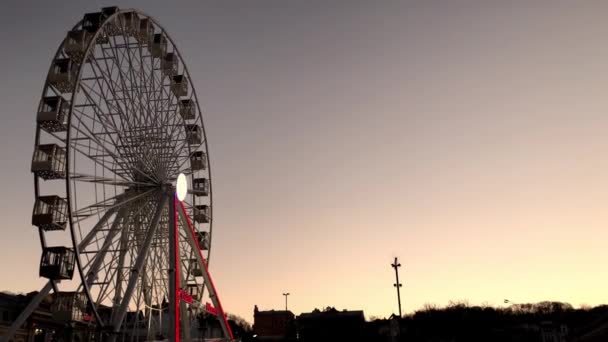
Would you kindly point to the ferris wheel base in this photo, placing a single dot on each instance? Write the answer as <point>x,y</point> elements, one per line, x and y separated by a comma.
<point>179,218</point>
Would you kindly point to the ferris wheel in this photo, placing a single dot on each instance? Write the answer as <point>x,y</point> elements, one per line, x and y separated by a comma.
<point>123,200</point>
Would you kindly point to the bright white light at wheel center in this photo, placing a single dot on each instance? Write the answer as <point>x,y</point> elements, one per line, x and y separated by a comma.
<point>181,187</point>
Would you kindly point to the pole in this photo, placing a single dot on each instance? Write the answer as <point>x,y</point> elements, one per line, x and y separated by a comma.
<point>286,294</point>
<point>396,265</point>
<point>173,272</point>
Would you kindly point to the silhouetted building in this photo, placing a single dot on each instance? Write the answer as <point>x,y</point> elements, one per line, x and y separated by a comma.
<point>551,332</point>
<point>273,325</point>
<point>40,326</point>
<point>385,330</point>
<point>331,325</point>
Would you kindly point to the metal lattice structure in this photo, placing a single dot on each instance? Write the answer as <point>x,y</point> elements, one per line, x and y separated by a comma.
<point>118,121</point>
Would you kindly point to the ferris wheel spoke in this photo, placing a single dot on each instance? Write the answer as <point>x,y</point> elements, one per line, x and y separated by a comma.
<point>120,86</point>
<point>93,138</point>
<point>167,104</point>
<point>84,242</point>
<point>119,267</point>
<point>109,126</point>
<point>110,103</point>
<point>124,162</point>
<point>101,253</point>
<point>126,132</point>
<point>106,181</point>
<point>118,254</point>
<point>111,203</point>
<point>137,89</point>
<point>108,130</point>
<point>119,58</point>
<point>176,156</point>
<point>186,158</point>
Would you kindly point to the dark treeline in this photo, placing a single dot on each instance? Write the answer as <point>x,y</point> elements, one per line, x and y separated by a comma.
<point>458,322</point>
<point>520,322</point>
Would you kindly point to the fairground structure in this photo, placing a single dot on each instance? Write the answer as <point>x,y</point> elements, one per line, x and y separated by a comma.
<point>123,185</point>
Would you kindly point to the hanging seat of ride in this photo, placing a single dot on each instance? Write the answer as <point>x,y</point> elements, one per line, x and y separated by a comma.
<point>69,306</point>
<point>198,161</point>
<point>112,28</point>
<point>200,186</point>
<point>203,240</point>
<point>57,263</point>
<point>52,114</point>
<point>76,43</point>
<point>63,74</point>
<point>187,109</point>
<point>195,268</point>
<point>201,213</point>
<point>91,23</point>
<point>193,290</point>
<point>158,48</point>
<point>50,213</point>
<point>179,85</point>
<point>131,23</point>
<point>194,134</point>
<point>169,64</point>
<point>49,161</point>
<point>146,31</point>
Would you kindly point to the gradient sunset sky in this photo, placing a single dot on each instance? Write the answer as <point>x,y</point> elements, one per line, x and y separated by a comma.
<point>468,138</point>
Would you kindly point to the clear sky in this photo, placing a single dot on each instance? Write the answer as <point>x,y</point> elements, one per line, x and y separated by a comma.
<point>465,137</point>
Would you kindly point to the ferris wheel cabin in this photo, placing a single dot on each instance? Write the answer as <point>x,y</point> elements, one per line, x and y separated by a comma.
<point>91,23</point>
<point>49,162</point>
<point>179,85</point>
<point>131,23</point>
<point>112,28</point>
<point>203,240</point>
<point>200,186</point>
<point>146,30</point>
<point>201,213</point>
<point>195,270</point>
<point>52,114</point>
<point>63,74</point>
<point>50,213</point>
<point>169,64</point>
<point>194,134</point>
<point>76,44</point>
<point>158,48</point>
<point>198,161</point>
<point>69,306</point>
<point>57,263</point>
<point>193,290</point>
<point>187,109</point>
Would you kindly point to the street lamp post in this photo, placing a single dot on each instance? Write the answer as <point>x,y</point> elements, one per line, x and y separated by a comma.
<point>286,294</point>
<point>397,284</point>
